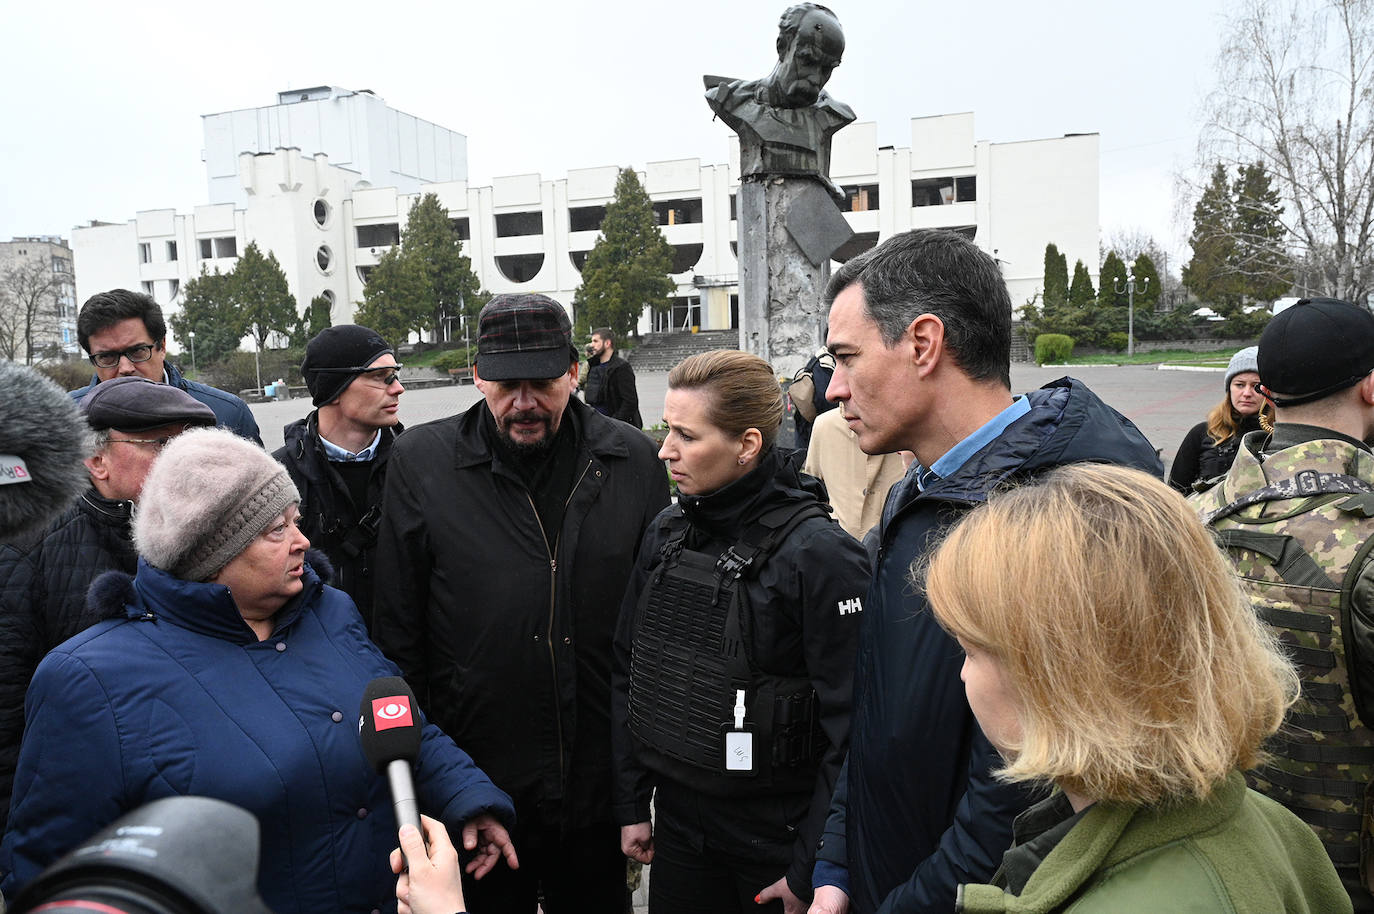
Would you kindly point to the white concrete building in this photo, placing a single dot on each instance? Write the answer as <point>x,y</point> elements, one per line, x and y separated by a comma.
<point>329,225</point>
<point>37,297</point>
<point>357,130</point>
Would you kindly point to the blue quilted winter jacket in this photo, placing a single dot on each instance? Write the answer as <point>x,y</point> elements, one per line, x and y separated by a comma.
<point>176,696</point>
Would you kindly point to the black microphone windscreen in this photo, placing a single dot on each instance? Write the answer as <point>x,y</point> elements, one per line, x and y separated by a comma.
<point>388,722</point>
<point>43,441</point>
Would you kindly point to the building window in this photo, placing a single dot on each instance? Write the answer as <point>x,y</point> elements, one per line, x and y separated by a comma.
<point>520,267</point>
<point>685,257</point>
<point>579,259</point>
<point>206,251</point>
<point>324,258</point>
<point>586,218</point>
<point>943,191</point>
<point>363,273</point>
<point>511,225</point>
<point>320,211</point>
<point>147,287</point>
<point>328,296</point>
<point>861,198</point>
<point>733,216</point>
<point>381,235</point>
<point>61,265</point>
<point>173,288</point>
<point>678,212</point>
<point>171,251</point>
<point>226,247</point>
<point>685,312</point>
<point>145,252</point>
<point>461,228</point>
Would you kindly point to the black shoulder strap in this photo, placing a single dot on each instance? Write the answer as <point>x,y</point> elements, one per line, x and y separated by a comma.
<point>1304,484</point>
<point>763,536</point>
<point>363,534</point>
<point>1290,560</point>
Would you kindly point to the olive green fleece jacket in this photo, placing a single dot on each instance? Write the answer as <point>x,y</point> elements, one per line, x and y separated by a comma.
<point>1237,852</point>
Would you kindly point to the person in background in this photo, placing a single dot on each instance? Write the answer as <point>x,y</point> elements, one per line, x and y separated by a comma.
<point>611,387</point>
<point>856,483</point>
<point>1135,679</point>
<point>337,455</point>
<point>124,335</point>
<point>1208,449</point>
<point>749,558</point>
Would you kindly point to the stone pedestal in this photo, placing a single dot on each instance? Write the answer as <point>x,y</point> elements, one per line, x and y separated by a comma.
<point>786,236</point>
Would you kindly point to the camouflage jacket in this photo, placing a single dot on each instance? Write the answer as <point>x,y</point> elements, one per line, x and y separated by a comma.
<point>1303,553</point>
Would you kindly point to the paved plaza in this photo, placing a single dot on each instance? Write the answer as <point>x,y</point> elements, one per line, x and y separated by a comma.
<point>1164,403</point>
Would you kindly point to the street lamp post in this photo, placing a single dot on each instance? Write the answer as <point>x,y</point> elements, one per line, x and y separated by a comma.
<point>1130,307</point>
<point>192,335</point>
<point>257,362</point>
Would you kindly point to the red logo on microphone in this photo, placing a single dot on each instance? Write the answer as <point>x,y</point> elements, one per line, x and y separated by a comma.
<point>392,712</point>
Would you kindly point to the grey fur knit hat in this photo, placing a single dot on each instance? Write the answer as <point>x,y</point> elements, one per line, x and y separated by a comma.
<point>1245,360</point>
<point>208,494</point>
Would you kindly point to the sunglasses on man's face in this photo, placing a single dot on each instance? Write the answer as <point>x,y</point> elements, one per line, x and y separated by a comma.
<point>384,375</point>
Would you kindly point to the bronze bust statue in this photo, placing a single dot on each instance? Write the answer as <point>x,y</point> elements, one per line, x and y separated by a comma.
<point>785,120</point>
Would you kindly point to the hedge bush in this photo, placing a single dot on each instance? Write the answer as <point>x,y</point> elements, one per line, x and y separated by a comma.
<point>1116,342</point>
<point>1052,347</point>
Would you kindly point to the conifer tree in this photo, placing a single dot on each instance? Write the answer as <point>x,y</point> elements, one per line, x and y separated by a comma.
<point>1056,277</point>
<point>208,310</point>
<point>396,298</point>
<point>1146,282</point>
<point>1262,261</point>
<point>1112,277</point>
<point>1081,293</point>
<point>260,294</point>
<point>1210,275</point>
<point>627,269</point>
<point>430,246</point>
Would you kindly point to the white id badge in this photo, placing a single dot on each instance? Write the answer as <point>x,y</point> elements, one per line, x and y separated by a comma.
<point>739,752</point>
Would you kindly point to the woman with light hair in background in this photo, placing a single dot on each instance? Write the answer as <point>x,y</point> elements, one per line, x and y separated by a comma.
<point>1111,655</point>
<point>1209,448</point>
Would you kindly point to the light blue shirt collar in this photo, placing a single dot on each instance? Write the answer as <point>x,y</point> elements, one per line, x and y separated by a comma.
<point>957,456</point>
<point>339,455</point>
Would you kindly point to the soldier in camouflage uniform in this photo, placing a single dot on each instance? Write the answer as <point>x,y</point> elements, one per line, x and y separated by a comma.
<point>1296,515</point>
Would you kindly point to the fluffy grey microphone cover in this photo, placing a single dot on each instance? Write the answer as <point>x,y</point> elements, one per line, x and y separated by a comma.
<point>43,426</point>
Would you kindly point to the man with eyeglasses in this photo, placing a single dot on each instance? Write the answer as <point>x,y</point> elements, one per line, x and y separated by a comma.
<point>125,336</point>
<point>337,455</point>
<point>44,576</point>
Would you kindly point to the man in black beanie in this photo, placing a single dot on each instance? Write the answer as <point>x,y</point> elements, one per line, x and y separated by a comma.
<point>337,455</point>
<point>1296,515</point>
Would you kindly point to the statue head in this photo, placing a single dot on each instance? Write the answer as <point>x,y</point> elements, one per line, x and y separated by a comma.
<point>810,44</point>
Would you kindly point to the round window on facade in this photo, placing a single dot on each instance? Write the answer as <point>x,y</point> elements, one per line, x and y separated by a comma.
<point>321,213</point>
<point>324,258</point>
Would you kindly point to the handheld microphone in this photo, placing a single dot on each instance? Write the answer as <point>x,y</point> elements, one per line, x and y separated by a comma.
<point>389,730</point>
<point>43,440</point>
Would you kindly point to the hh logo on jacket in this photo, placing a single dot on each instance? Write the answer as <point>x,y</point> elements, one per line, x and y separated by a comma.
<point>851,606</point>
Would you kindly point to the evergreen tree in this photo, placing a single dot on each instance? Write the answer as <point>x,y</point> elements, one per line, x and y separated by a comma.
<point>1262,262</point>
<point>628,266</point>
<point>1112,277</point>
<point>1081,293</point>
<point>396,298</point>
<point>208,309</point>
<point>265,303</point>
<point>430,245</point>
<point>1211,275</point>
<point>1146,283</point>
<point>315,319</point>
<point>1056,278</point>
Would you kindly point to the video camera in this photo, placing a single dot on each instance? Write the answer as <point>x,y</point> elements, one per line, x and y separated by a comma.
<point>180,855</point>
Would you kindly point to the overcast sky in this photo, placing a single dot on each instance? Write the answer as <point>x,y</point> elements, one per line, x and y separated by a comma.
<point>101,113</point>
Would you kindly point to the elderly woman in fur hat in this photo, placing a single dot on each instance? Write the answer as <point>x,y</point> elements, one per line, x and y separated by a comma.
<point>227,668</point>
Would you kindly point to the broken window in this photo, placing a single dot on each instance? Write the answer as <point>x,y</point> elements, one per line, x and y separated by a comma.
<point>861,198</point>
<point>520,267</point>
<point>685,257</point>
<point>381,235</point>
<point>461,228</point>
<point>586,218</point>
<point>943,191</point>
<point>678,212</point>
<point>512,225</point>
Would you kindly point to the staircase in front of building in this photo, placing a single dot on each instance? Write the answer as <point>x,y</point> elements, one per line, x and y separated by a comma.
<point>661,351</point>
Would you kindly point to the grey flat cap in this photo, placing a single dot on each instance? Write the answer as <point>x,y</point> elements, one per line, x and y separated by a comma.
<point>137,404</point>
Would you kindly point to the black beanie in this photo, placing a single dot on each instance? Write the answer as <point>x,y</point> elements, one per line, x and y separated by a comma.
<point>1314,349</point>
<point>336,355</point>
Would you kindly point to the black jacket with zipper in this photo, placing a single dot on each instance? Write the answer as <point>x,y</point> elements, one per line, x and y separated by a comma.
<point>504,629</point>
<point>329,518</point>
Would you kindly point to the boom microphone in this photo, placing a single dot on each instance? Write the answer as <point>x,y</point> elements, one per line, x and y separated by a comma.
<point>389,729</point>
<point>43,440</point>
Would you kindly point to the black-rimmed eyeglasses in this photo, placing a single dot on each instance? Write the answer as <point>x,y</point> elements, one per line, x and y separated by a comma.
<point>110,358</point>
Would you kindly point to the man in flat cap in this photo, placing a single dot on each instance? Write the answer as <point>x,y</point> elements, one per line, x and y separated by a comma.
<point>44,576</point>
<point>337,455</point>
<point>1296,516</point>
<point>509,533</point>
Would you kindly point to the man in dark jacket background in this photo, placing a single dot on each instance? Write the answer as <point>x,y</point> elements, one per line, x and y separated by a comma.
<point>611,387</point>
<point>44,576</point>
<point>337,455</point>
<point>508,535</point>
<point>920,328</point>
<point>125,336</point>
